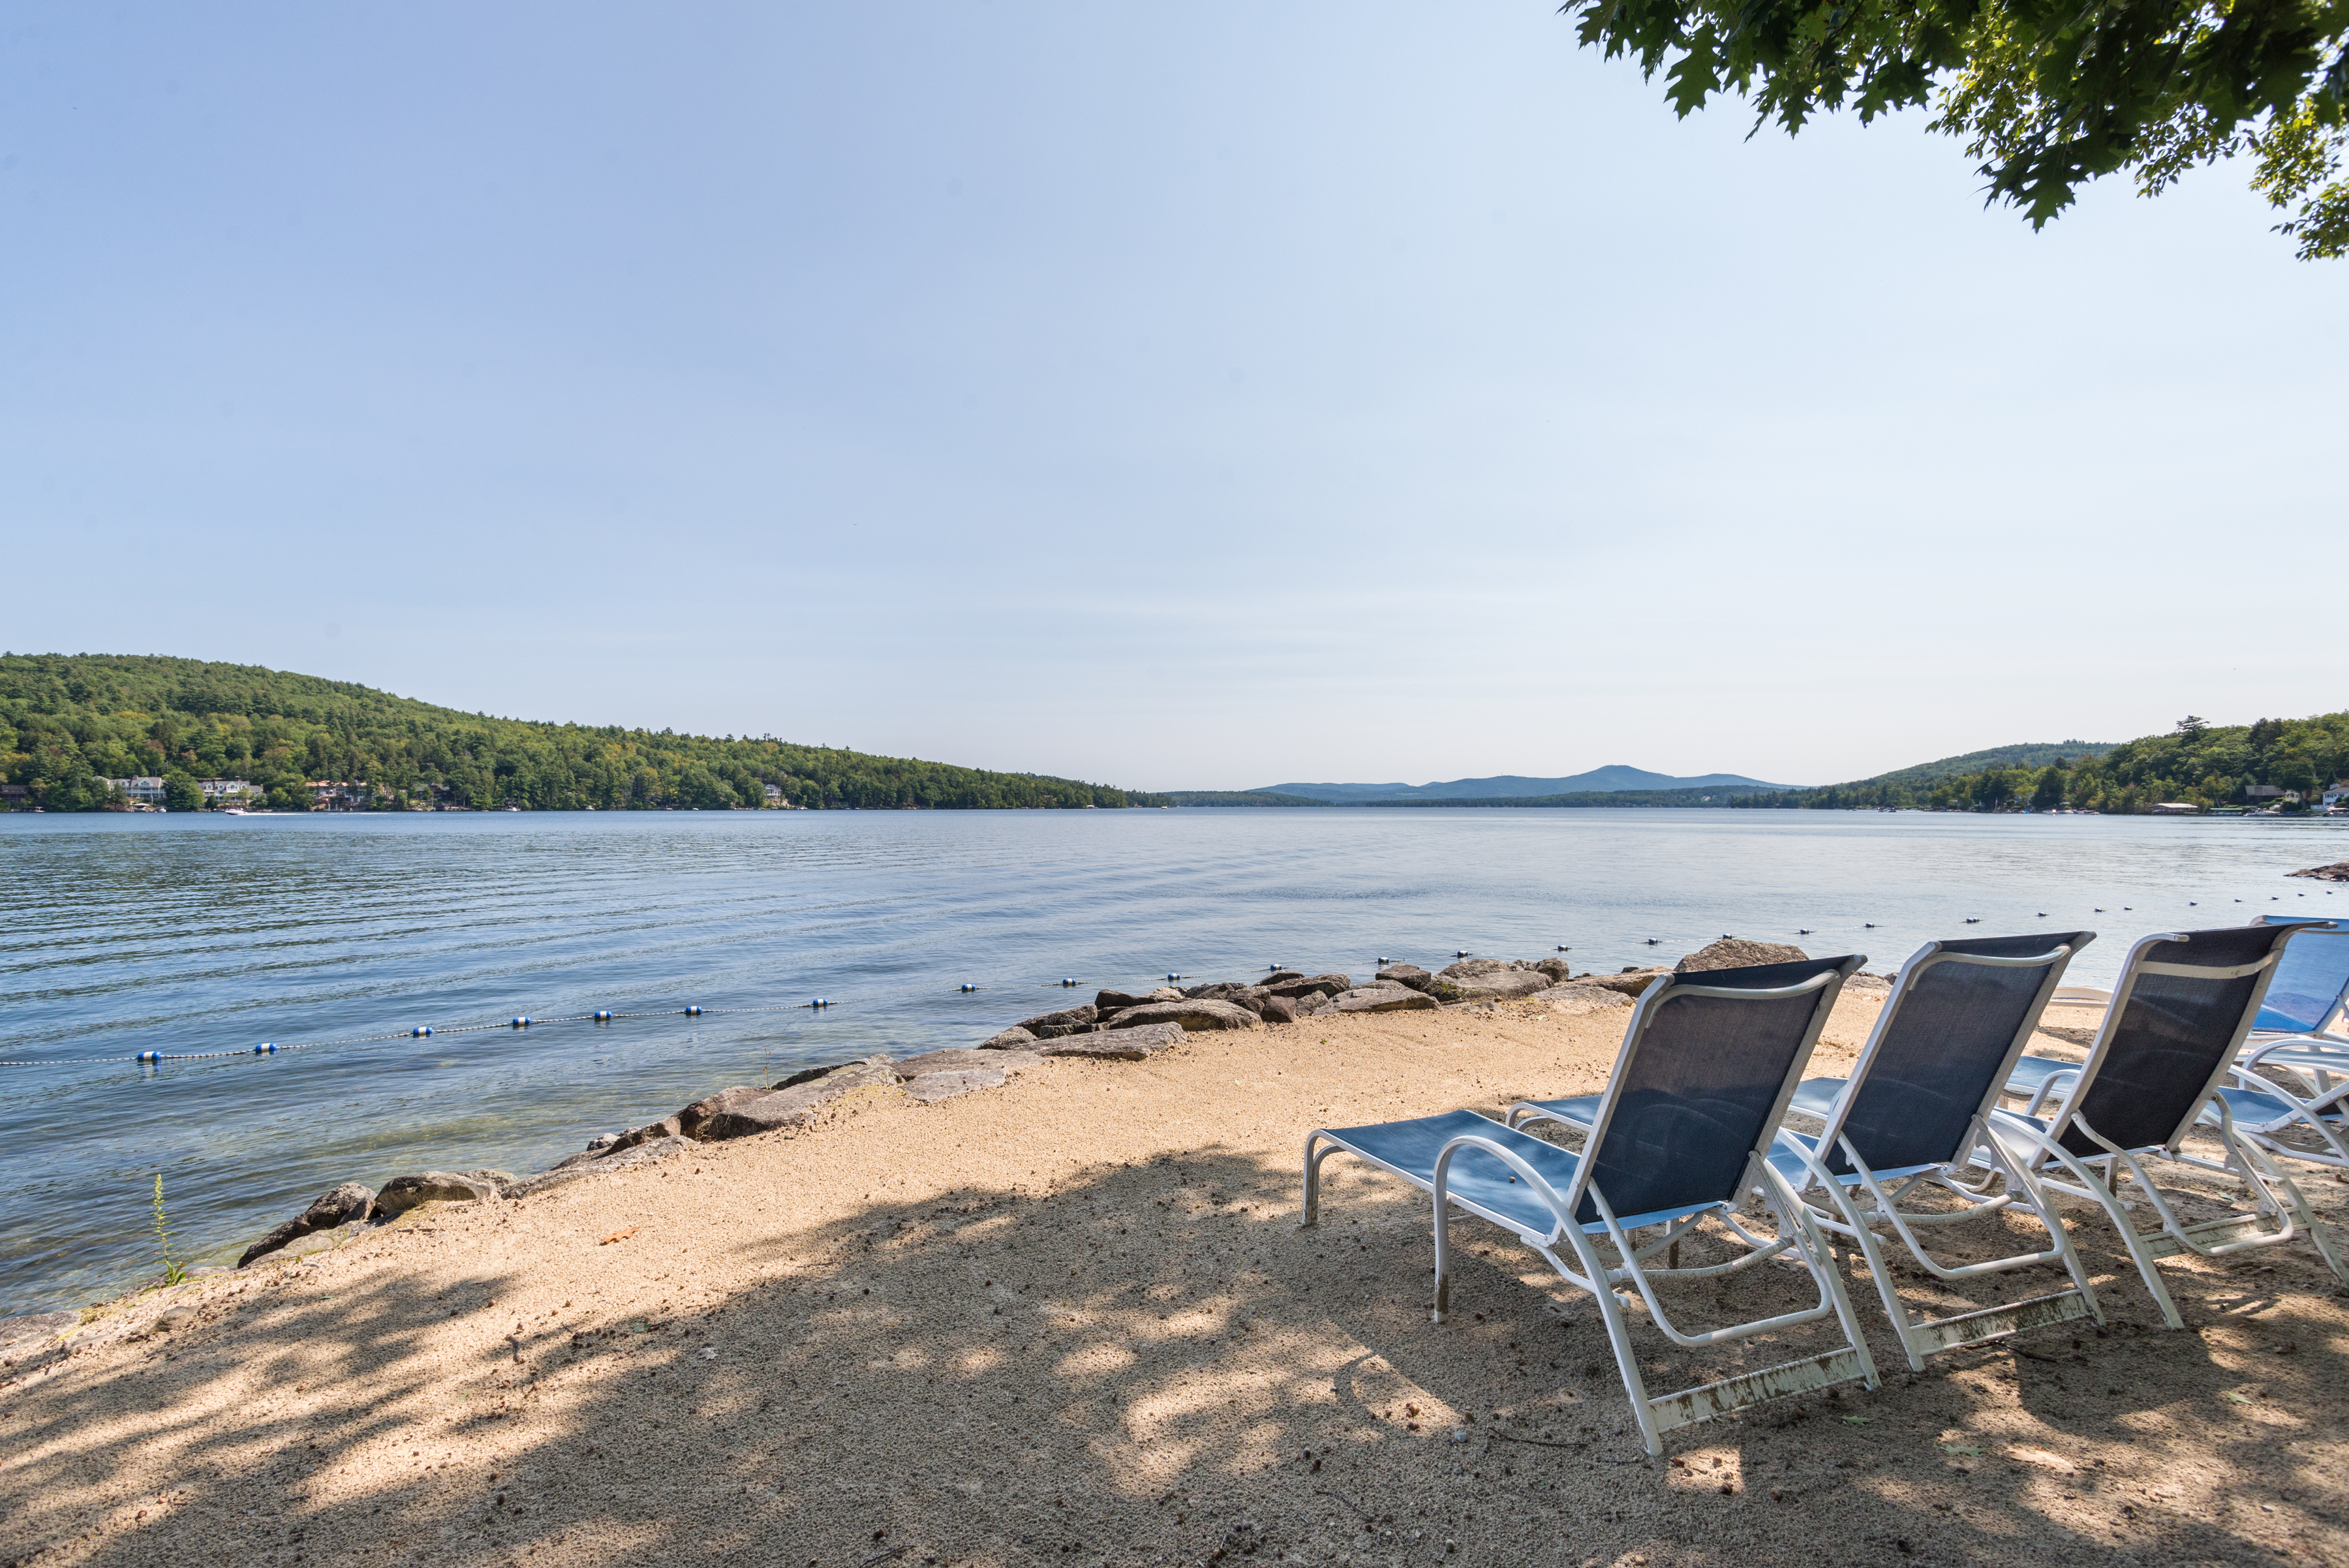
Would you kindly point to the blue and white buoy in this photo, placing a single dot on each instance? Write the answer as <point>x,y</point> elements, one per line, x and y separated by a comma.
<point>693,1012</point>
<point>151,1056</point>
<point>821,1001</point>
<point>603,1016</point>
<point>266,1048</point>
<point>420,1031</point>
<point>968,986</point>
<point>1068,982</point>
<point>520,1023</point>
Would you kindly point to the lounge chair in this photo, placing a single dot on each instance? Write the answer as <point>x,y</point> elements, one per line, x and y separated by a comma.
<point>1908,1120</point>
<point>2183,1004</point>
<point>1683,1132</point>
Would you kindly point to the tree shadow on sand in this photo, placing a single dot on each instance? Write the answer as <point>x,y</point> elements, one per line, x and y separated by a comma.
<point>1151,1363</point>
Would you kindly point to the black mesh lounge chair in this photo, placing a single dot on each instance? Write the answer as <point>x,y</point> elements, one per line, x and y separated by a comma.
<point>1683,1132</point>
<point>2179,1013</point>
<point>1910,1120</point>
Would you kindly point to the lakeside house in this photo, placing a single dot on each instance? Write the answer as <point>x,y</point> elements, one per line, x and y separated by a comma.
<point>339,795</point>
<point>228,792</point>
<point>143,790</point>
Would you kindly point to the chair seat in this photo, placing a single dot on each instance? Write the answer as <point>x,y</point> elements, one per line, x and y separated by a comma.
<point>1816,1097</point>
<point>1579,1112</point>
<point>1789,1164</point>
<point>1478,1181</point>
<point>2031,1071</point>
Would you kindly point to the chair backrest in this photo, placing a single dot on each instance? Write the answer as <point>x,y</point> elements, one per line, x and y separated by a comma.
<point>2180,1009</point>
<point>1708,1065</point>
<point>2309,978</point>
<point>1958,1015</point>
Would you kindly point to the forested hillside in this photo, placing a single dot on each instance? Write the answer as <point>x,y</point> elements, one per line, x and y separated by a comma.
<point>69,722</point>
<point>2196,763</point>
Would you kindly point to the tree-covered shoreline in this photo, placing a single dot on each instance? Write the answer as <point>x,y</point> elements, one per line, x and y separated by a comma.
<point>2196,763</point>
<point>68,722</point>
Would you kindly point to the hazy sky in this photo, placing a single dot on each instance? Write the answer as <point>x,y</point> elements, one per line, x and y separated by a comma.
<point>1198,396</point>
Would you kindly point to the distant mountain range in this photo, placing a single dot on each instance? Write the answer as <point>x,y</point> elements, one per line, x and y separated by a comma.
<point>1606,780</point>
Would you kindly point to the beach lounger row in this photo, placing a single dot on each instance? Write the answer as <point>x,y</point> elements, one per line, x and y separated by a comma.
<point>1706,1116</point>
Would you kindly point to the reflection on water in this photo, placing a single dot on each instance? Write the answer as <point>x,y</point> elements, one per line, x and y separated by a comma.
<point>188,934</point>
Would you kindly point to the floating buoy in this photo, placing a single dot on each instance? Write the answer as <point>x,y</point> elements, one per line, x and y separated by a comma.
<point>151,1056</point>
<point>1386,960</point>
<point>1973,919</point>
<point>266,1048</point>
<point>603,1016</point>
<point>1462,953</point>
<point>2099,909</point>
<point>1655,941</point>
<point>420,1031</point>
<point>1274,967</point>
<point>522,1022</point>
<point>1068,982</point>
<point>821,1001</point>
<point>1174,976</point>
<point>2189,903</point>
<point>693,1012</point>
<point>1867,925</point>
<point>967,986</point>
<point>1564,949</point>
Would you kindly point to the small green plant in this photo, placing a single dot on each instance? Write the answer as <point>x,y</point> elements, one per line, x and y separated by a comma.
<point>173,1269</point>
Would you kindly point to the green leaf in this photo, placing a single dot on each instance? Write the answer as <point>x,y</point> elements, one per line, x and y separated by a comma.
<point>2238,1398</point>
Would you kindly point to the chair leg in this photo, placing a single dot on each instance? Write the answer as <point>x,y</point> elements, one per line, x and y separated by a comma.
<point>2140,1248</point>
<point>1442,1264</point>
<point>1313,1181</point>
<point>1619,1336</point>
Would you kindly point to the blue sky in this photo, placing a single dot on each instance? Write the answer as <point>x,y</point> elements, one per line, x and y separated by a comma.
<point>1195,398</point>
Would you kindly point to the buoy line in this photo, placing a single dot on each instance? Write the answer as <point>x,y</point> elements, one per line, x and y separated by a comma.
<point>420,1031</point>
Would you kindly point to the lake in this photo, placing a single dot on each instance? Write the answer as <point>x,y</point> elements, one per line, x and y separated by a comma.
<point>195,933</point>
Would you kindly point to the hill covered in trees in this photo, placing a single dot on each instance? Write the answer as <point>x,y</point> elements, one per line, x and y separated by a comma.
<point>2196,763</point>
<point>68,722</point>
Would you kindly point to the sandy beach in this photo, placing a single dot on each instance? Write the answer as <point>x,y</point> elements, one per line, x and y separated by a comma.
<point>1074,1321</point>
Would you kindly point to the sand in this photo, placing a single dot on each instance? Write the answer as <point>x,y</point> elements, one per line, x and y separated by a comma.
<point>1074,1321</point>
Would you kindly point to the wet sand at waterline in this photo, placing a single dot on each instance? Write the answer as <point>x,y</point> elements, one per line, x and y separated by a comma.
<point>1074,1321</point>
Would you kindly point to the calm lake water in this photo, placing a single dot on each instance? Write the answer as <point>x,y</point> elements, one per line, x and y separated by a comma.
<point>195,933</point>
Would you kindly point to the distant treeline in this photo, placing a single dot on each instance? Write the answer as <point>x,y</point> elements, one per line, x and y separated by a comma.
<point>2196,763</point>
<point>1720,795</point>
<point>67,723</point>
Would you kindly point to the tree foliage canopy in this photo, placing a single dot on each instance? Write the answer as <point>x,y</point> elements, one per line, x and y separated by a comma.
<point>2050,93</point>
<point>69,724</point>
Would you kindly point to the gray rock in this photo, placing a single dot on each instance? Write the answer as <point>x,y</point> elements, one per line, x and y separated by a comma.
<point>1866,984</point>
<point>402,1193</point>
<point>1558,970</point>
<point>1380,999</point>
<point>929,1087</point>
<point>1280,975</point>
<point>1278,1010</point>
<point>344,1205</point>
<point>1294,986</point>
<point>651,1132</point>
<point>1409,974</point>
<point>1577,1000</point>
<point>1630,982</point>
<point>1068,1021</point>
<point>952,1061</point>
<point>689,1122</point>
<point>1012,1039</point>
<point>1120,1044</point>
<point>1733,952</point>
<point>792,1107</point>
<point>494,1178</point>
<point>1198,1015</point>
<point>1486,980</point>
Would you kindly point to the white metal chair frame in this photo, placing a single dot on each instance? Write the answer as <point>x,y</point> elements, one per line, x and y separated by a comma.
<point>2031,1141</point>
<point>1591,1273</point>
<point>1920,1336</point>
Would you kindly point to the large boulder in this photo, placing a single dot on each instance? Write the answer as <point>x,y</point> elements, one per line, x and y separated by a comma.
<point>402,1193</point>
<point>1292,985</point>
<point>1733,953</point>
<point>1380,999</point>
<point>1067,1020</point>
<point>1576,1001</point>
<point>1558,969</point>
<point>1409,974</point>
<point>1196,1014</point>
<point>696,1116</point>
<point>931,1087</point>
<point>344,1205</point>
<point>1633,982</point>
<point>1109,1002</point>
<point>1133,1044</point>
<point>1278,1010</point>
<point>1486,980</point>
<point>1252,997</point>
<point>2336,872</point>
<point>796,1103</point>
<point>955,1060</point>
<point>1012,1039</point>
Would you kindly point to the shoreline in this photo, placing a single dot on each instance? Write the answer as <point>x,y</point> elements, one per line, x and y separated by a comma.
<point>1072,1320</point>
